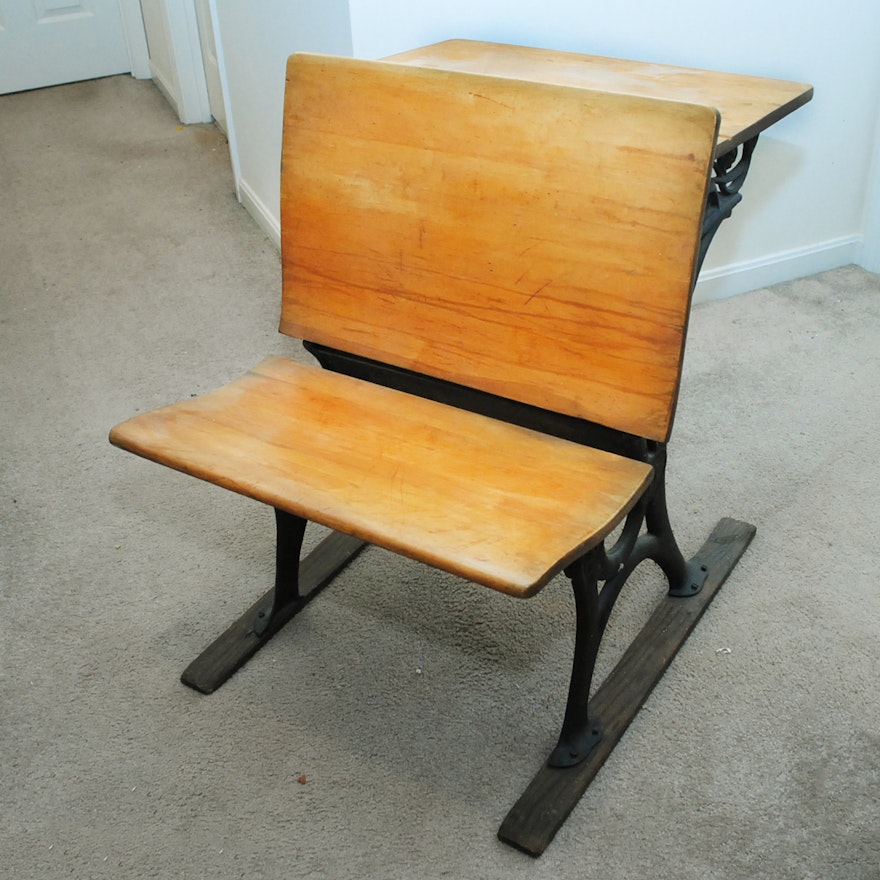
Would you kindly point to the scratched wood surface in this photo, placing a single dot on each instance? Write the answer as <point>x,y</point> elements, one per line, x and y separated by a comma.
<point>491,502</point>
<point>747,104</point>
<point>528,239</point>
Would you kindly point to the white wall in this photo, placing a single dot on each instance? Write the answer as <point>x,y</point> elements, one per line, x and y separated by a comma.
<point>254,40</point>
<point>804,205</point>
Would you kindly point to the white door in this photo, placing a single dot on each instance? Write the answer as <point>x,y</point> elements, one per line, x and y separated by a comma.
<point>47,42</point>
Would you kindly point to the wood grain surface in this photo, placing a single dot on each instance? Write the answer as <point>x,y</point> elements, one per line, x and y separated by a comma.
<point>491,502</point>
<point>531,240</point>
<point>747,104</point>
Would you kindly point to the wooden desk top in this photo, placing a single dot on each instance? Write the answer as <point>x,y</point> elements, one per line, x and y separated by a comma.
<point>748,104</point>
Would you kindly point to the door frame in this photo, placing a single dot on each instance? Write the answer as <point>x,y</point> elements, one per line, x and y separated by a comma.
<point>135,38</point>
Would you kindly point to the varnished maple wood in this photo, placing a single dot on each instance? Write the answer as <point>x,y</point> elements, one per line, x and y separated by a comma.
<point>497,504</point>
<point>531,240</point>
<point>747,104</point>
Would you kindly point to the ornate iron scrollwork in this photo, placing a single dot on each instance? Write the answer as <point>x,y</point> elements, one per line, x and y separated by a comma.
<point>646,534</point>
<point>729,174</point>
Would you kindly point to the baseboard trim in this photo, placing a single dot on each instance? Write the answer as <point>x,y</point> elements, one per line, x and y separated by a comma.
<point>736,278</point>
<point>264,218</point>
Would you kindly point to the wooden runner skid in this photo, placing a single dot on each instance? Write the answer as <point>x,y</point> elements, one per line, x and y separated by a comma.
<point>529,248</point>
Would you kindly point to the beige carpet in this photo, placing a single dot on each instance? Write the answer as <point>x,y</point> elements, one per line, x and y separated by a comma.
<point>416,707</point>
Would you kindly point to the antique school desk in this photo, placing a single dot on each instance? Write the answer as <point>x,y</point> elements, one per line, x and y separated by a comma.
<point>747,106</point>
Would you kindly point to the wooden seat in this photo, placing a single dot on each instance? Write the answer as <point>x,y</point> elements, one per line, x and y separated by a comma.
<point>496,275</point>
<point>320,445</point>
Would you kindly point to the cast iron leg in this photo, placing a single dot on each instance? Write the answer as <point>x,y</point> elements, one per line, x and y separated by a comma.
<point>686,578</point>
<point>296,584</point>
<point>289,533</point>
<point>579,731</point>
